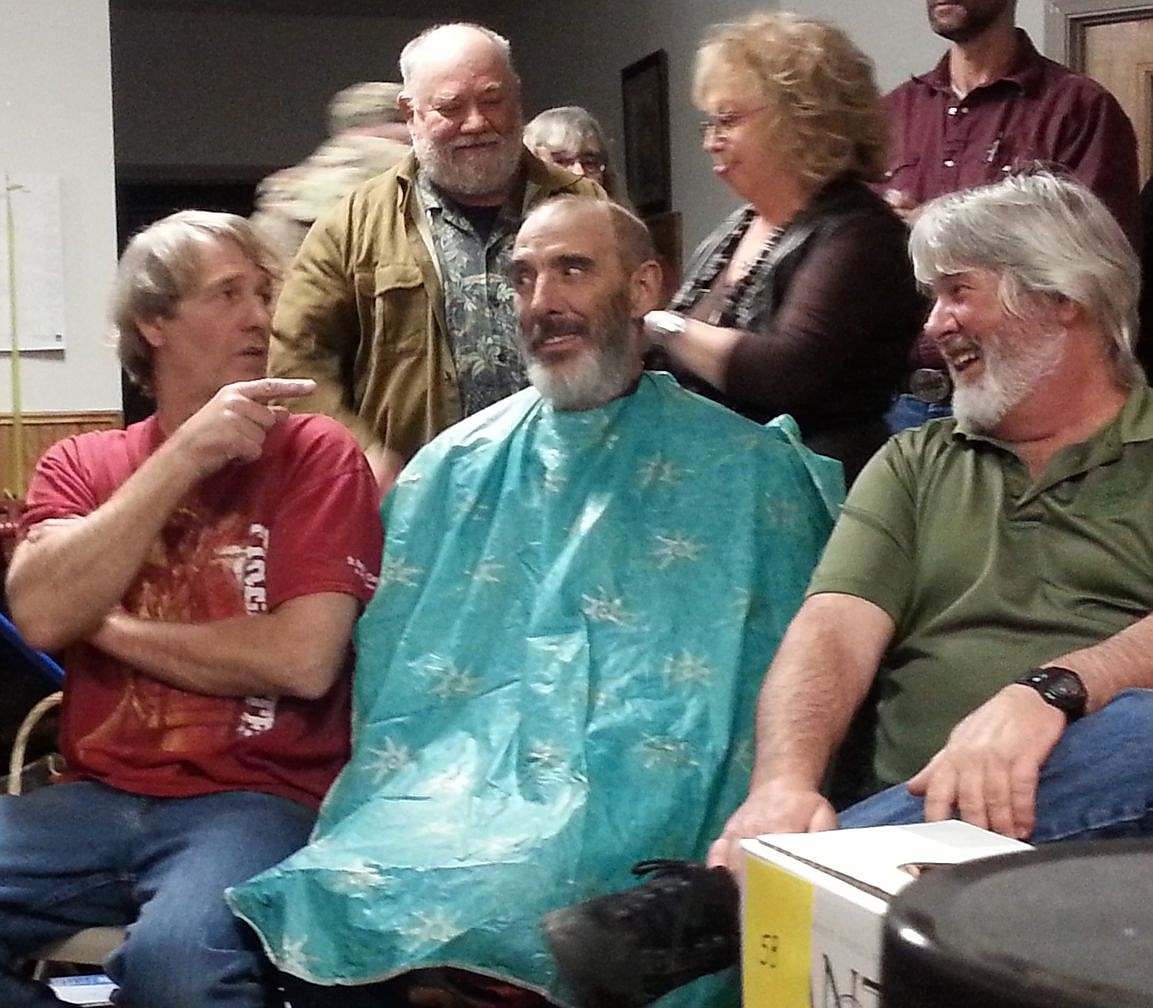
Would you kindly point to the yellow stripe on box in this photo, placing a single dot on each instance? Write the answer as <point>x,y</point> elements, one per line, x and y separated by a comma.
<point>778,928</point>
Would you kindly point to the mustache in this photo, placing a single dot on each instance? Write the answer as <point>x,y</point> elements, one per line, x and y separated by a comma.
<point>484,140</point>
<point>556,325</point>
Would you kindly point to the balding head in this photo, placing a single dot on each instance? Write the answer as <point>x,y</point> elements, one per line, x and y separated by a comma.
<point>453,43</point>
<point>461,99</point>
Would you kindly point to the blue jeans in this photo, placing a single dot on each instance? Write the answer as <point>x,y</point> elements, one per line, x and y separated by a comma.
<point>1096,784</point>
<point>81,854</point>
<point>909,411</point>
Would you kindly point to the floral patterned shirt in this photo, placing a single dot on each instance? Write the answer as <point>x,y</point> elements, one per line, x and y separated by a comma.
<point>478,300</point>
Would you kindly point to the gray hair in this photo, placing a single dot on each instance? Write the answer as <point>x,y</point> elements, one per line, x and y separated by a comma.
<point>160,267</point>
<point>568,128</point>
<point>1042,234</point>
<point>563,127</point>
<point>410,55</point>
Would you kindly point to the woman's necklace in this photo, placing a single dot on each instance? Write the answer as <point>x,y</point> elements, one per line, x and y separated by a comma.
<point>750,255</point>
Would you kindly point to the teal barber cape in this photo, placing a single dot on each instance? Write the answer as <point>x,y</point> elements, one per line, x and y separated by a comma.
<point>555,679</point>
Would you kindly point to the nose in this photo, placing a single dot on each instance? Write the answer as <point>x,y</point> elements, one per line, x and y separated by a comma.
<point>259,311</point>
<point>543,298</point>
<point>474,120</point>
<point>712,140</point>
<point>577,168</point>
<point>941,322</point>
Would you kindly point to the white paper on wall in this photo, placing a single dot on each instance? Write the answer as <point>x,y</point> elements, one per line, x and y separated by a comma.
<point>39,259</point>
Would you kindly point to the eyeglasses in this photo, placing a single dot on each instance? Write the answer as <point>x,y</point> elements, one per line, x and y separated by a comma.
<point>591,163</point>
<point>725,122</point>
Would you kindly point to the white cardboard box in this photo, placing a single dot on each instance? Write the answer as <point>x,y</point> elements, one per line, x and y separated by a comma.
<point>91,990</point>
<point>813,905</point>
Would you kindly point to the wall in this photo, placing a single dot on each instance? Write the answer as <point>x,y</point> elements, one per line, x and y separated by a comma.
<point>56,117</point>
<point>245,92</point>
<point>208,94</point>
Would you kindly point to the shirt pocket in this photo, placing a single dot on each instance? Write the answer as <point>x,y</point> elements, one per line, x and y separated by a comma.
<point>905,176</point>
<point>1007,154</point>
<point>394,308</point>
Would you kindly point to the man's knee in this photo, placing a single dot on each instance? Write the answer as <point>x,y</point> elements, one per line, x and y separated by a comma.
<point>198,959</point>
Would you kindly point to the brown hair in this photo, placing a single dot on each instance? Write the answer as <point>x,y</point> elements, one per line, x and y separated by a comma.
<point>160,266</point>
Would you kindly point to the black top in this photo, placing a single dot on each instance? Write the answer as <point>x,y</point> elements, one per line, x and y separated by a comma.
<point>827,320</point>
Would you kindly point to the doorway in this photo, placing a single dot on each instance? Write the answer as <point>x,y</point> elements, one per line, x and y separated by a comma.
<point>1112,42</point>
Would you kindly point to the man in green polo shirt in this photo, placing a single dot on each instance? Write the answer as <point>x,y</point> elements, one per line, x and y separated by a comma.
<point>991,576</point>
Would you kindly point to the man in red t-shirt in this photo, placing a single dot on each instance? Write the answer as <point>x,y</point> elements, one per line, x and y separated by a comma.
<point>200,573</point>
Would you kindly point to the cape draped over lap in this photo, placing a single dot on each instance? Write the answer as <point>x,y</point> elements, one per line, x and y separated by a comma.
<point>555,679</point>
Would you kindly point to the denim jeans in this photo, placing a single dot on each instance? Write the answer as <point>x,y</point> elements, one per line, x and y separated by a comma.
<point>81,854</point>
<point>1096,784</point>
<point>909,411</point>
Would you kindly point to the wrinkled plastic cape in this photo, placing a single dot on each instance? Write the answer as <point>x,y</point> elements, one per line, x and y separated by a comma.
<point>555,679</point>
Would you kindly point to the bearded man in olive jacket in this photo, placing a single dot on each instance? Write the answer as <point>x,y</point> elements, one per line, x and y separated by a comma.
<point>398,304</point>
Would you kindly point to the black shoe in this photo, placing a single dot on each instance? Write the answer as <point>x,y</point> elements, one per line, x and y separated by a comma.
<point>626,949</point>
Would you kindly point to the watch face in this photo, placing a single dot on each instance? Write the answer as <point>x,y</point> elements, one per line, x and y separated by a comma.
<point>1059,687</point>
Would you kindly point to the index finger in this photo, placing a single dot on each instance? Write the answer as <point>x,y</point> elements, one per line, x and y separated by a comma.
<point>264,390</point>
<point>940,793</point>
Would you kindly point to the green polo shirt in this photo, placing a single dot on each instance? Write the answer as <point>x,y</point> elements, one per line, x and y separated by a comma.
<point>986,572</point>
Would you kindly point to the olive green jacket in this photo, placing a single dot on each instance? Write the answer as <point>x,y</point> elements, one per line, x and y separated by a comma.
<point>362,311</point>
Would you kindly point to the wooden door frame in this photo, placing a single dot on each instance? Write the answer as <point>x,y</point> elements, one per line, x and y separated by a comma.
<point>1065,21</point>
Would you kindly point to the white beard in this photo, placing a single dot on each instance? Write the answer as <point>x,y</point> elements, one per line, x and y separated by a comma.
<point>491,172</point>
<point>601,372</point>
<point>1007,378</point>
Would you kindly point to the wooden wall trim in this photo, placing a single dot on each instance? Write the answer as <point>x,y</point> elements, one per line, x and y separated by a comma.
<point>105,419</point>
<point>40,431</point>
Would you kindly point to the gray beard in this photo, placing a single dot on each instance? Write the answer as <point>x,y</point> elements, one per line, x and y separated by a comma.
<point>599,375</point>
<point>494,175</point>
<point>983,404</point>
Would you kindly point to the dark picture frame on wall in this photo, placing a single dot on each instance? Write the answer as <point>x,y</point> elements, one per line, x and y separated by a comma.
<point>645,103</point>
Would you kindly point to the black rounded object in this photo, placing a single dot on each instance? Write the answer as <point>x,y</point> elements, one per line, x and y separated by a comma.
<point>1063,926</point>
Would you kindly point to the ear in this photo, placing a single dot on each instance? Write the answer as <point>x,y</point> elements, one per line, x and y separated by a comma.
<point>404,103</point>
<point>646,288</point>
<point>153,330</point>
<point>1066,310</point>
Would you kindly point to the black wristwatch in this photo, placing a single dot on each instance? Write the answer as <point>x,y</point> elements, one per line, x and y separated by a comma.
<point>1060,687</point>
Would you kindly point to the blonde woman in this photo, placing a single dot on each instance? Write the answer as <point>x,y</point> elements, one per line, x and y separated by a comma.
<point>803,301</point>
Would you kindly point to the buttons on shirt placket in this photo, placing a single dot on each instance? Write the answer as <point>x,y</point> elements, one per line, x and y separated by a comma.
<point>954,110</point>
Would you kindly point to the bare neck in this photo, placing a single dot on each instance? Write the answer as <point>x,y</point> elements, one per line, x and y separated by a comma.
<point>778,203</point>
<point>982,59</point>
<point>174,402</point>
<point>1064,410</point>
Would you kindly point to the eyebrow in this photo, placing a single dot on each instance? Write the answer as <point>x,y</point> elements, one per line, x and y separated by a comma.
<point>445,97</point>
<point>566,259</point>
<point>215,283</point>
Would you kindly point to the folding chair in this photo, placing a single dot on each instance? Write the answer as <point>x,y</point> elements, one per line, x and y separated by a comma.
<point>90,945</point>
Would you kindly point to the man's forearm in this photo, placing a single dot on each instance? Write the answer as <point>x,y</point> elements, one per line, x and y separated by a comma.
<point>67,575</point>
<point>819,678</point>
<point>297,650</point>
<point>1123,661</point>
<point>822,672</point>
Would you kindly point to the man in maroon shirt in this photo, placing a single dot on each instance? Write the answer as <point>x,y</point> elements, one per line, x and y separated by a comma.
<point>993,105</point>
